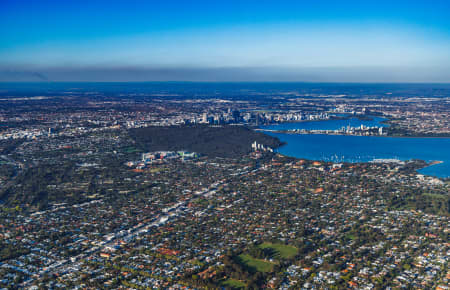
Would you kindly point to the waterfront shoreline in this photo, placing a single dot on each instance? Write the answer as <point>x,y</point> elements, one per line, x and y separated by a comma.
<point>363,150</point>
<point>310,133</point>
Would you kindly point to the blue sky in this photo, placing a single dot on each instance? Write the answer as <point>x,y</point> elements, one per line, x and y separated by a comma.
<point>400,41</point>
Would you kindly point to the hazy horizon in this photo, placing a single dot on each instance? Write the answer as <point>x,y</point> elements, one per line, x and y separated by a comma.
<point>294,41</point>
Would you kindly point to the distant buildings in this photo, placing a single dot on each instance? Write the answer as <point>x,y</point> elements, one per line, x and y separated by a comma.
<point>260,147</point>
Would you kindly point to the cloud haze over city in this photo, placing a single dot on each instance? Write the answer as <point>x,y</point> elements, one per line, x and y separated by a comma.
<point>336,41</point>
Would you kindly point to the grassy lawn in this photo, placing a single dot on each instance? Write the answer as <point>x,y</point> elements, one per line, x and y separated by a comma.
<point>351,237</point>
<point>282,251</point>
<point>435,195</point>
<point>259,265</point>
<point>232,283</point>
<point>131,150</point>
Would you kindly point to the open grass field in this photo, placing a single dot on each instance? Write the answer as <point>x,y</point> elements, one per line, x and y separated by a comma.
<point>435,195</point>
<point>282,251</point>
<point>351,237</point>
<point>259,265</point>
<point>131,150</point>
<point>233,283</point>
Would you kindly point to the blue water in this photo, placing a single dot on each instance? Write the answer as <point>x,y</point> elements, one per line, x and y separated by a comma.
<point>362,148</point>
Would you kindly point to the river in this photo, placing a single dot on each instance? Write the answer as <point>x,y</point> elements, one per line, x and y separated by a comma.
<point>340,148</point>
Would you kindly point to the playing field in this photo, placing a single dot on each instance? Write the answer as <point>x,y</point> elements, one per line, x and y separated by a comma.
<point>259,265</point>
<point>282,251</point>
<point>233,283</point>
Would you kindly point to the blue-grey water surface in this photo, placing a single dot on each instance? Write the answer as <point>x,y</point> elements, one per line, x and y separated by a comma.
<point>361,148</point>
